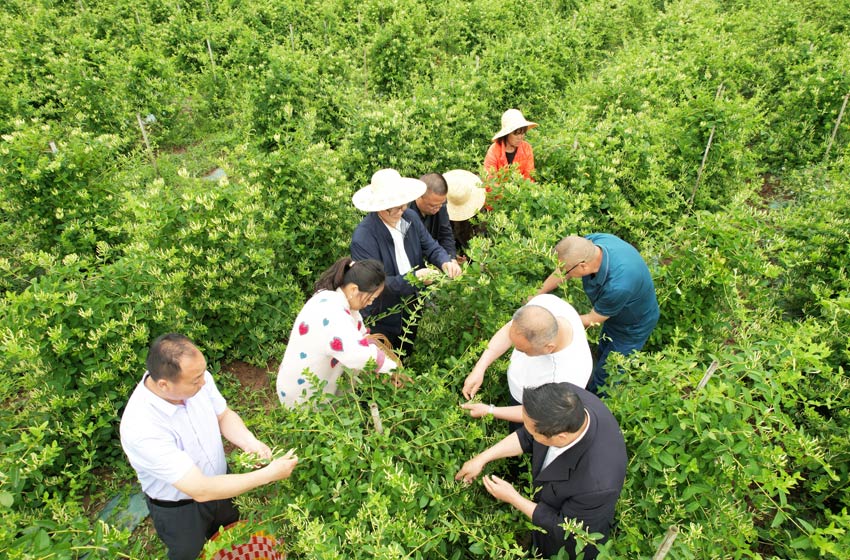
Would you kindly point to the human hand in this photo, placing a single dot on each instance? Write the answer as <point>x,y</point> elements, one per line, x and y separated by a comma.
<point>452,269</point>
<point>470,470</point>
<point>258,448</point>
<point>500,489</point>
<point>426,275</point>
<point>472,384</point>
<point>477,410</point>
<point>282,467</point>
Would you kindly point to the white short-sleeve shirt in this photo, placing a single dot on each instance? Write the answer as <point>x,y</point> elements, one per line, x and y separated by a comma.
<point>572,364</point>
<point>163,440</point>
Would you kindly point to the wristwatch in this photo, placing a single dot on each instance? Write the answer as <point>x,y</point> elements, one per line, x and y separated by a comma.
<point>491,409</point>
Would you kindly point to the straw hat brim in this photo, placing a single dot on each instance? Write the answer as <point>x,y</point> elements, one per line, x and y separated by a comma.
<point>513,126</point>
<point>403,190</point>
<point>460,178</point>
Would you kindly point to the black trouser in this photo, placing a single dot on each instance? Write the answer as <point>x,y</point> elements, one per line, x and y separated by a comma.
<point>186,526</point>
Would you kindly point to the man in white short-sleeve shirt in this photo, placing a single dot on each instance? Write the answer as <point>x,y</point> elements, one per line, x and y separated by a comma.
<point>171,432</point>
<point>550,346</point>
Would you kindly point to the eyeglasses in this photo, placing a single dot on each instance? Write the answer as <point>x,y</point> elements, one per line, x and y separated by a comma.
<point>572,268</point>
<point>520,131</point>
<point>396,209</point>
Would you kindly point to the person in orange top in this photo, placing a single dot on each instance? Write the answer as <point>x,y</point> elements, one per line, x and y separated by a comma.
<point>509,146</point>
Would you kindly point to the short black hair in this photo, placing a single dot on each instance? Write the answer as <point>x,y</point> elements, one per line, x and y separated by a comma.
<point>165,353</point>
<point>436,183</point>
<point>555,408</point>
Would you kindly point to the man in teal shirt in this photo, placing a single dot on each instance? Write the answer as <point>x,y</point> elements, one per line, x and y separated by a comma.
<point>617,282</point>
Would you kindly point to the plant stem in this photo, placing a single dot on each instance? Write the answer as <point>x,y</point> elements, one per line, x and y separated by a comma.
<point>705,154</point>
<point>665,545</point>
<point>835,128</point>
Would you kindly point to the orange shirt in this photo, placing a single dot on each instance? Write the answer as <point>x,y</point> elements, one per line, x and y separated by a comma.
<point>496,159</point>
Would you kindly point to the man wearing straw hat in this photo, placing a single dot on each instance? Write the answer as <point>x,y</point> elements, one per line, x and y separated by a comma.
<point>392,234</point>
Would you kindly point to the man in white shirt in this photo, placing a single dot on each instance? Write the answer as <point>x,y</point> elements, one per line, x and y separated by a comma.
<point>549,346</point>
<point>171,432</point>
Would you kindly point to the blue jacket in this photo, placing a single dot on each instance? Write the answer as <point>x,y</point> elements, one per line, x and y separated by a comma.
<point>372,240</point>
<point>583,483</point>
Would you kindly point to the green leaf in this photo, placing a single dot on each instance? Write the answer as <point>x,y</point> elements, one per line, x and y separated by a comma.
<point>477,549</point>
<point>6,499</point>
<point>667,459</point>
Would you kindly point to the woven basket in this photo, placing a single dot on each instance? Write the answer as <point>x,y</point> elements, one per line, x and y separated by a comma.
<point>260,546</point>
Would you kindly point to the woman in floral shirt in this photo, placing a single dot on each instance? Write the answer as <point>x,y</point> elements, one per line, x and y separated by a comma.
<point>329,333</point>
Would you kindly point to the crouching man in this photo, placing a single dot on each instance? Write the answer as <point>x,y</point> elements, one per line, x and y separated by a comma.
<point>578,462</point>
<point>171,432</point>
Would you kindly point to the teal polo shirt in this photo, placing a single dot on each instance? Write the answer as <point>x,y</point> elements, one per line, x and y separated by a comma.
<point>622,290</point>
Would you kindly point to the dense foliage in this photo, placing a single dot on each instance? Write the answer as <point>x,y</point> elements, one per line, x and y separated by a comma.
<point>111,235</point>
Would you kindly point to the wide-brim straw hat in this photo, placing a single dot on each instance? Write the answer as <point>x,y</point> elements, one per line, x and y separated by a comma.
<point>465,196</point>
<point>512,119</point>
<point>387,190</point>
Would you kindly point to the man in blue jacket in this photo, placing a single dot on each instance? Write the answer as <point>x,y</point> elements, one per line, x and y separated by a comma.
<point>578,462</point>
<point>392,234</point>
<point>617,282</point>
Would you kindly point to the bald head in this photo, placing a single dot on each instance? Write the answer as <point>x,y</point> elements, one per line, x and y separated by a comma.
<point>535,324</point>
<point>574,249</point>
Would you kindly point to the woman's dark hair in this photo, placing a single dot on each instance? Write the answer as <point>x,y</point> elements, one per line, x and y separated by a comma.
<point>554,407</point>
<point>367,275</point>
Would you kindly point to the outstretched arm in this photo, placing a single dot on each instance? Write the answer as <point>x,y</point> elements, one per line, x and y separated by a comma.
<point>498,345</point>
<point>592,319</point>
<point>204,488</point>
<point>508,447</point>
<point>509,413</point>
<point>552,281</point>
<point>234,430</point>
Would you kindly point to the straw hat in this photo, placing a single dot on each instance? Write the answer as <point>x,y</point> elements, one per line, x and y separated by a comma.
<point>512,119</point>
<point>388,189</point>
<point>465,196</point>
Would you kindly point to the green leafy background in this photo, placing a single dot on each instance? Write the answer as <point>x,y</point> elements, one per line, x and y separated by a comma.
<point>106,242</point>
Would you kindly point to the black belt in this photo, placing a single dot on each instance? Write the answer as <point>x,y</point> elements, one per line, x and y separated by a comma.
<point>167,504</point>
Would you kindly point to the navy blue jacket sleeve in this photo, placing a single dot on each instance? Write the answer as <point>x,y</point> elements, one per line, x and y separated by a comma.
<point>431,250</point>
<point>366,245</point>
<point>445,235</point>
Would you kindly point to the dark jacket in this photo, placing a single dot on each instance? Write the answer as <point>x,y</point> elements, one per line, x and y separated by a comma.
<point>372,240</point>
<point>583,483</point>
<point>439,226</point>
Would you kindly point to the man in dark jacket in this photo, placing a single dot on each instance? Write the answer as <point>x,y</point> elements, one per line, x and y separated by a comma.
<point>578,462</point>
<point>431,209</point>
<point>392,234</point>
